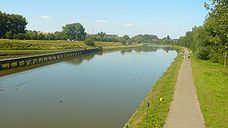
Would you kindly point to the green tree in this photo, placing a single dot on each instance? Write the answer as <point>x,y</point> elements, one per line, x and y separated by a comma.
<point>11,23</point>
<point>20,36</point>
<point>59,36</point>
<point>101,36</point>
<point>32,35</point>
<point>74,31</point>
<point>9,35</point>
<point>89,42</point>
<point>50,36</point>
<point>210,41</point>
<point>40,36</point>
<point>217,25</point>
<point>3,24</point>
<point>17,23</point>
<point>125,39</point>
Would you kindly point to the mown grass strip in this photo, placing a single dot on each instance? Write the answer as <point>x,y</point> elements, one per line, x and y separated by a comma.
<point>212,91</point>
<point>159,97</point>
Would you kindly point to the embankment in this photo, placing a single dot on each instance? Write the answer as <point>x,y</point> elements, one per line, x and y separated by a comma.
<point>159,98</point>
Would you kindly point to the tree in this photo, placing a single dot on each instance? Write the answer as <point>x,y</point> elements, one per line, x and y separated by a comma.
<point>101,36</point>
<point>9,35</point>
<point>89,42</point>
<point>74,31</point>
<point>59,36</point>
<point>17,24</point>
<point>11,23</point>
<point>217,25</point>
<point>50,36</point>
<point>40,36</point>
<point>210,41</point>
<point>125,39</point>
<point>32,35</point>
<point>20,36</point>
<point>3,24</point>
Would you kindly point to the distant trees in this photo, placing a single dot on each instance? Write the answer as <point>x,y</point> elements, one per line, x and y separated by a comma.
<point>146,38</point>
<point>101,36</point>
<point>74,31</point>
<point>13,27</point>
<point>11,24</point>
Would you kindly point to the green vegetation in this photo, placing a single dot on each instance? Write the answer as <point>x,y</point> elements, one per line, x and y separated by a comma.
<point>13,27</point>
<point>25,52</point>
<point>89,42</point>
<point>212,86</point>
<point>159,97</point>
<point>11,24</point>
<point>17,48</point>
<point>210,41</point>
<point>41,45</point>
<point>74,31</point>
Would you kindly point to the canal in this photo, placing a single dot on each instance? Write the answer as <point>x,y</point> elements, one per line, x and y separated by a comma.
<point>91,91</point>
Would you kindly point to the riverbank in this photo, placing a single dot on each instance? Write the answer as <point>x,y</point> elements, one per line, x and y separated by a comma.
<point>212,91</point>
<point>21,48</point>
<point>159,97</point>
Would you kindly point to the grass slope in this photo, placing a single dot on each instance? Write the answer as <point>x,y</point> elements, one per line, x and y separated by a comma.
<point>164,88</point>
<point>17,48</point>
<point>212,91</point>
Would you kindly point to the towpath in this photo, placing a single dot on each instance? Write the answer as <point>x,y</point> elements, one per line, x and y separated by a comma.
<point>185,110</point>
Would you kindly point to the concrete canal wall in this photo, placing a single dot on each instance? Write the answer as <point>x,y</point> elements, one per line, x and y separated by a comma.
<point>25,61</point>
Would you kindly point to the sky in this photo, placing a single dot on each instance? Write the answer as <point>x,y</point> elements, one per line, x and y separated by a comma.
<point>131,17</point>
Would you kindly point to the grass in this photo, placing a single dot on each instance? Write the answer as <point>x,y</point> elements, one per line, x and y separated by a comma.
<point>212,91</point>
<point>52,44</point>
<point>157,113</point>
<point>17,52</point>
<point>17,48</point>
<point>41,44</point>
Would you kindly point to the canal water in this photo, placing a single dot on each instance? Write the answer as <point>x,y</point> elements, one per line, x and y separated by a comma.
<point>93,91</point>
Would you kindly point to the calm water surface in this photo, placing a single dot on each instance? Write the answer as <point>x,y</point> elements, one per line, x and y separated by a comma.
<point>94,91</point>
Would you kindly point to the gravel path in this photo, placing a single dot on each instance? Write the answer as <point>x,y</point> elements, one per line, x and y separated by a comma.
<point>185,110</point>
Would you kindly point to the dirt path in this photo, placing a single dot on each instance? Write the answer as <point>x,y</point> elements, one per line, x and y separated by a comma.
<point>185,111</point>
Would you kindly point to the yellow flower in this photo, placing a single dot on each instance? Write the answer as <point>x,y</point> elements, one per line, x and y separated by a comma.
<point>161,99</point>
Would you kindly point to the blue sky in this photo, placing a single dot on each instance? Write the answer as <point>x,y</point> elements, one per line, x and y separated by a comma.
<point>131,17</point>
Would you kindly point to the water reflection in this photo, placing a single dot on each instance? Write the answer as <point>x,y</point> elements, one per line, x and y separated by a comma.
<point>79,60</point>
<point>97,90</point>
<point>148,49</point>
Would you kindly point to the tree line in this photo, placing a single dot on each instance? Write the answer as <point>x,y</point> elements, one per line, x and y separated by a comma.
<point>13,26</point>
<point>125,39</point>
<point>210,41</point>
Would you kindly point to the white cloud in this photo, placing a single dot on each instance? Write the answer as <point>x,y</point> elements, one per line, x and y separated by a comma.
<point>102,21</point>
<point>45,17</point>
<point>128,25</point>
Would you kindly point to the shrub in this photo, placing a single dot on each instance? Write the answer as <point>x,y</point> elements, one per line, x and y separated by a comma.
<point>203,53</point>
<point>9,35</point>
<point>89,42</point>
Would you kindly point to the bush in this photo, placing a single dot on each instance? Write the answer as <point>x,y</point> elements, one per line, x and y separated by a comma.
<point>203,53</point>
<point>89,42</point>
<point>123,43</point>
<point>9,35</point>
<point>20,36</point>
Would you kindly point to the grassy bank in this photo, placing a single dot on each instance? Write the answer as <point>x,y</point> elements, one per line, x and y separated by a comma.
<point>212,91</point>
<point>18,48</point>
<point>157,113</point>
